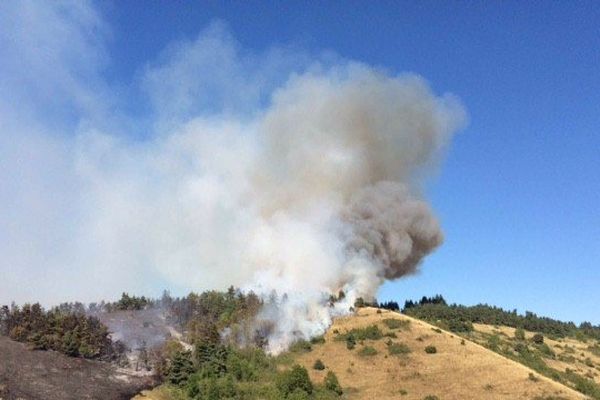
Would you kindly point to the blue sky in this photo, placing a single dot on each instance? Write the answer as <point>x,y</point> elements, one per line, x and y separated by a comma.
<point>518,193</point>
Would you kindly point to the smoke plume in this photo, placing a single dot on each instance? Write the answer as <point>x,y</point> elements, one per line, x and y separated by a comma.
<point>289,175</point>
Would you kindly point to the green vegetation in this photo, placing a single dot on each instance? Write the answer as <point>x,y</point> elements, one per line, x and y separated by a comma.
<point>398,348</point>
<point>583,385</point>
<point>430,350</point>
<point>318,365</point>
<point>332,384</point>
<point>66,329</point>
<point>301,346</point>
<point>431,397</point>
<point>371,332</point>
<point>459,318</point>
<point>131,303</point>
<point>350,342</point>
<point>538,338</point>
<point>296,379</point>
<point>367,351</point>
<point>394,323</point>
<point>217,371</point>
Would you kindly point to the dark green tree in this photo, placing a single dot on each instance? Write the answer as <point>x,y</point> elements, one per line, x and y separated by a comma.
<point>294,379</point>
<point>181,368</point>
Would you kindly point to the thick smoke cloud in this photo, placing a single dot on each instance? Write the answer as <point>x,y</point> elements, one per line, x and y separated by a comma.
<point>301,178</point>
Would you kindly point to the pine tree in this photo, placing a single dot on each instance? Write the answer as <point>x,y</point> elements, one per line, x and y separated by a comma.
<point>181,368</point>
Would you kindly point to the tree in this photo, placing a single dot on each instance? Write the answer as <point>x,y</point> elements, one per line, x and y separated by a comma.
<point>331,383</point>
<point>294,379</point>
<point>181,368</point>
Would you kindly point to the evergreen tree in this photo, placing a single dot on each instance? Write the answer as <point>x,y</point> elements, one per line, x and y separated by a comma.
<point>181,368</point>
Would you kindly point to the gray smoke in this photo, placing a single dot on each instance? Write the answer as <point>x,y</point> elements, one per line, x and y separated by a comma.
<point>335,188</point>
<point>271,172</point>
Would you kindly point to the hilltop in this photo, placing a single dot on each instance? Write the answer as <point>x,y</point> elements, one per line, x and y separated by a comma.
<point>459,368</point>
<point>389,360</point>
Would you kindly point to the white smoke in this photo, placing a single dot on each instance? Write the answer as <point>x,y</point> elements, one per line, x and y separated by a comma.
<point>334,191</point>
<point>301,178</point>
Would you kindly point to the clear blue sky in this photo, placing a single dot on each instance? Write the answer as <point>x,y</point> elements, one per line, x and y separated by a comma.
<point>519,192</point>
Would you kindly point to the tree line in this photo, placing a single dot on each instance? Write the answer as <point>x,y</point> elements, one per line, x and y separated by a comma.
<point>458,318</point>
<point>64,329</point>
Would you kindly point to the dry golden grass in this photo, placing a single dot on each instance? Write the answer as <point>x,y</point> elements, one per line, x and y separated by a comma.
<point>456,371</point>
<point>570,353</point>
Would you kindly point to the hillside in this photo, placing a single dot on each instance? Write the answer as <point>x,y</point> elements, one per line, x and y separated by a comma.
<point>48,375</point>
<point>459,369</point>
<point>455,371</point>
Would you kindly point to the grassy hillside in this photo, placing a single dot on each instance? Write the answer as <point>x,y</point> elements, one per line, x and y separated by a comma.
<point>380,354</point>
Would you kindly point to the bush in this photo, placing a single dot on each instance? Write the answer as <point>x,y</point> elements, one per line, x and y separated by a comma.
<point>431,397</point>
<point>371,332</point>
<point>318,365</point>
<point>520,334</point>
<point>430,350</point>
<point>350,342</point>
<point>293,380</point>
<point>332,384</point>
<point>317,339</point>
<point>301,346</point>
<point>538,338</point>
<point>367,351</point>
<point>398,348</point>
<point>394,323</point>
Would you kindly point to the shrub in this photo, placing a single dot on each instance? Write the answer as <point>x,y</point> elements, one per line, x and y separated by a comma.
<point>459,326</point>
<point>546,350</point>
<point>318,365</point>
<point>538,338</point>
<point>520,334</point>
<point>317,339</point>
<point>332,384</point>
<point>394,323</point>
<point>301,346</point>
<point>293,380</point>
<point>430,350</point>
<point>367,351</point>
<point>431,397</point>
<point>350,342</point>
<point>371,332</point>
<point>398,348</point>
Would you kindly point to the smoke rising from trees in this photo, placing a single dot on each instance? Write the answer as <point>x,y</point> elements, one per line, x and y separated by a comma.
<point>292,175</point>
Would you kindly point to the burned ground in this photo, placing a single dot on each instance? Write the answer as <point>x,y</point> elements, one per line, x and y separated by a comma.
<point>48,375</point>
